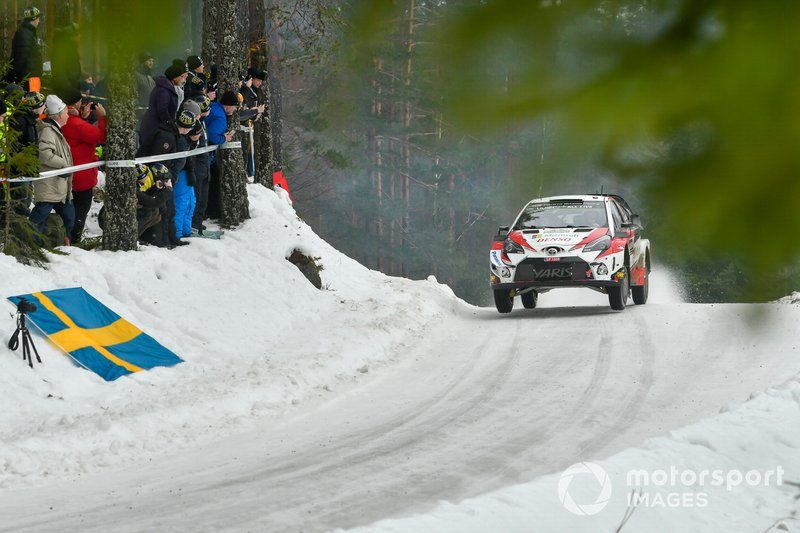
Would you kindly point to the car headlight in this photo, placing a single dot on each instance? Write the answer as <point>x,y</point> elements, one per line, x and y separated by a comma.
<point>510,247</point>
<point>598,245</point>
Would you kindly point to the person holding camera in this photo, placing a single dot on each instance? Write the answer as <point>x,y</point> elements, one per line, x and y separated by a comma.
<point>83,139</point>
<point>169,138</point>
<point>150,198</point>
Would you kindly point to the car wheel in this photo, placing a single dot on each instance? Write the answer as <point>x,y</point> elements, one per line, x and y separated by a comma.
<point>639,292</point>
<point>503,300</point>
<point>618,294</point>
<point>529,299</point>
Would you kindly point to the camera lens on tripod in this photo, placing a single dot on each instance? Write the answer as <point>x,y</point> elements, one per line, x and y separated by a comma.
<point>24,306</point>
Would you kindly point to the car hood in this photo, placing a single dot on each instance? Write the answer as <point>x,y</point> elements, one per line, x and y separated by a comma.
<point>564,238</point>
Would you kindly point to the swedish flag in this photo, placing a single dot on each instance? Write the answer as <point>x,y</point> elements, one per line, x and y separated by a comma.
<point>94,335</point>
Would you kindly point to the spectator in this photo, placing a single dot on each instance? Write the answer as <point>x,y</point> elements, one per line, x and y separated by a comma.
<point>183,188</point>
<point>83,139</point>
<point>202,169</point>
<point>26,52</point>
<point>170,137</point>
<point>218,133</point>
<point>196,67</point>
<point>150,199</point>
<point>65,61</point>
<point>144,84</point>
<point>26,124</point>
<point>160,190</point>
<point>250,93</point>
<point>87,85</point>
<point>53,193</point>
<point>211,89</point>
<point>195,86</point>
<point>164,101</point>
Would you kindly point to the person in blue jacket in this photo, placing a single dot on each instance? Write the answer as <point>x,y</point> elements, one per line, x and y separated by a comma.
<point>218,133</point>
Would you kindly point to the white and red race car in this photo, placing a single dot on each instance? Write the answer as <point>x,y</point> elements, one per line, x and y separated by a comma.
<point>592,241</point>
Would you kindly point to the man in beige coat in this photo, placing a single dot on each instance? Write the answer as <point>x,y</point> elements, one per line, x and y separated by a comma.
<point>54,193</point>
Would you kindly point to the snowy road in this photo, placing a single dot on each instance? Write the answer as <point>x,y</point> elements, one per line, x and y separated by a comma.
<point>483,402</point>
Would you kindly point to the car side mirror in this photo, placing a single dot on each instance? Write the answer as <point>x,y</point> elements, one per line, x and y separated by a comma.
<point>636,222</point>
<point>502,231</point>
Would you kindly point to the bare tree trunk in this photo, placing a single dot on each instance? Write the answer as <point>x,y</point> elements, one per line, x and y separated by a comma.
<point>120,232</point>
<point>229,53</point>
<point>262,135</point>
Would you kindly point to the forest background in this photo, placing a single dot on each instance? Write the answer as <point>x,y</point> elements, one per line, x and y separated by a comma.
<point>410,130</point>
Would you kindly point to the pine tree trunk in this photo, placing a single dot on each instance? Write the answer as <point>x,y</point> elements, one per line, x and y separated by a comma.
<point>210,35</point>
<point>120,232</point>
<point>229,53</point>
<point>276,101</point>
<point>6,30</point>
<point>63,13</point>
<point>263,127</point>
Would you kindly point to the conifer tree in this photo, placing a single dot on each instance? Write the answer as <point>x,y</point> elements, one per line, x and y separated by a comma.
<point>17,237</point>
<point>259,58</point>
<point>224,45</point>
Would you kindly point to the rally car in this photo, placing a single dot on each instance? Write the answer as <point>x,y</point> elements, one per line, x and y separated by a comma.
<point>592,241</point>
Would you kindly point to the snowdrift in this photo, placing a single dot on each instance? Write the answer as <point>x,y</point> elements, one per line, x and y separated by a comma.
<point>257,339</point>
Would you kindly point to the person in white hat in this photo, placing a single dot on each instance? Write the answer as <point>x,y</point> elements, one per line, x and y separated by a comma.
<point>55,192</point>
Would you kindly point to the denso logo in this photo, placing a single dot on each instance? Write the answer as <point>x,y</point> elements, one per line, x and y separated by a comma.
<point>556,239</point>
<point>545,273</point>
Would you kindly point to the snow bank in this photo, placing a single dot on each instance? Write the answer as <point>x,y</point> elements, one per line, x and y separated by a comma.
<point>793,298</point>
<point>257,338</point>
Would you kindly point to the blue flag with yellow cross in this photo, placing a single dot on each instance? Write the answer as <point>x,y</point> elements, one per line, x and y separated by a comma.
<point>94,335</point>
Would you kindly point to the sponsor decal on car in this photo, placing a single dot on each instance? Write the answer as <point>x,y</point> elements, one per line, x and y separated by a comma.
<point>557,238</point>
<point>496,259</point>
<point>551,273</point>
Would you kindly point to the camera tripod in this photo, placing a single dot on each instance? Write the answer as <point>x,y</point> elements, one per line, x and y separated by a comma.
<point>27,340</point>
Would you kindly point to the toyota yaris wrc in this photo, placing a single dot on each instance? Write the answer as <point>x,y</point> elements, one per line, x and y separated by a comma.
<point>571,241</point>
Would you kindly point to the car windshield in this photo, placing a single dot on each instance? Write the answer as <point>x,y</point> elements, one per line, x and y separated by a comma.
<point>563,215</point>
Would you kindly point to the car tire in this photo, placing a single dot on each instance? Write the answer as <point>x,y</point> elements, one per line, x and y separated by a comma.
<point>639,293</point>
<point>618,294</point>
<point>529,299</point>
<point>503,301</point>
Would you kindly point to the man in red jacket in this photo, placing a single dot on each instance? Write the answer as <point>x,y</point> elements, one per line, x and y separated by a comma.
<point>83,139</point>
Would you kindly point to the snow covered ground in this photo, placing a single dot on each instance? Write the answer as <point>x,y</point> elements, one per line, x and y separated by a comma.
<point>368,402</point>
<point>256,336</point>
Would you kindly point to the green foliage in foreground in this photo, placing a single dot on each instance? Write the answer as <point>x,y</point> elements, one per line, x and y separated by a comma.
<point>695,103</point>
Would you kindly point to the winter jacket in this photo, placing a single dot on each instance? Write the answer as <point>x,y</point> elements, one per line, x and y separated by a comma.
<point>54,154</point>
<point>216,125</point>
<point>167,140</point>
<point>26,122</point>
<point>163,107</point>
<point>26,54</point>
<point>249,96</point>
<point>144,86</point>
<point>83,139</point>
<point>202,162</point>
<point>151,200</point>
<point>25,125</point>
